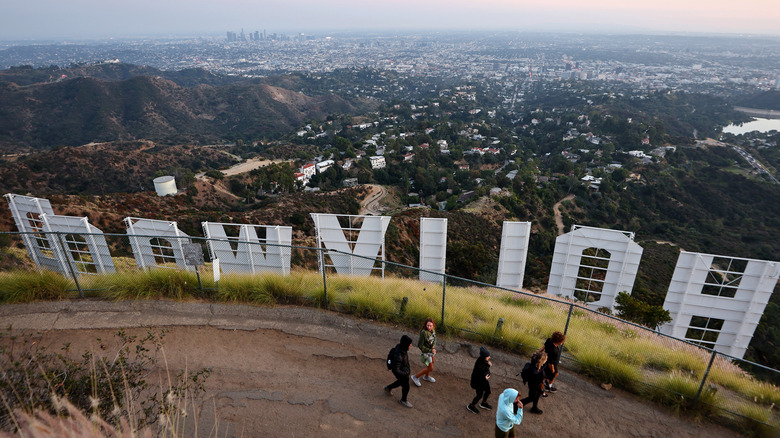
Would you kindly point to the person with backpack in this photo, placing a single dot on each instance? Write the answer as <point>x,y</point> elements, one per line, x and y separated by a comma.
<point>480,381</point>
<point>508,413</point>
<point>552,346</point>
<point>398,363</point>
<point>534,376</point>
<point>427,345</point>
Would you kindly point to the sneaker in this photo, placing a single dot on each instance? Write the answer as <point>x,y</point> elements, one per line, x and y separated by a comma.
<point>485,405</point>
<point>416,381</point>
<point>472,409</point>
<point>545,394</point>
<point>552,388</point>
<point>429,379</point>
<point>388,391</point>
<point>405,403</point>
<point>546,385</point>
<point>536,410</point>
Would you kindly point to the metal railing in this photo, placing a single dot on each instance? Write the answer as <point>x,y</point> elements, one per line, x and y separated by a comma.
<point>600,345</point>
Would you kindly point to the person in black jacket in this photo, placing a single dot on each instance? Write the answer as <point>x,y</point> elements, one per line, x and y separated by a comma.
<point>480,381</point>
<point>552,346</point>
<point>401,370</point>
<point>536,380</point>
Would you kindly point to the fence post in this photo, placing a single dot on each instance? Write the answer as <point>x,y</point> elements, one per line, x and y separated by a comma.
<point>324,278</point>
<point>404,302</point>
<point>443,297</point>
<point>568,318</point>
<point>704,377</point>
<point>499,328</point>
<point>70,265</point>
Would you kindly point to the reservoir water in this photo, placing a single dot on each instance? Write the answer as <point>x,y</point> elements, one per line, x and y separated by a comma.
<point>761,125</point>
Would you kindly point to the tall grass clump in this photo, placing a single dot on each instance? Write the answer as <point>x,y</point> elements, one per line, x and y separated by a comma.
<point>153,283</point>
<point>732,377</point>
<point>299,287</point>
<point>603,366</point>
<point>29,286</point>
<point>677,391</point>
<point>756,420</point>
<point>243,289</point>
<point>375,298</point>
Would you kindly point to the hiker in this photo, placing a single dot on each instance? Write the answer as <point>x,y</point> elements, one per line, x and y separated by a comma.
<point>401,370</point>
<point>509,413</point>
<point>535,380</point>
<point>480,381</point>
<point>552,346</point>
<point>427,345</point>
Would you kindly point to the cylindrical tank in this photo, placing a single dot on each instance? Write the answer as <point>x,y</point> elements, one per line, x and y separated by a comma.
<point>165,185</point>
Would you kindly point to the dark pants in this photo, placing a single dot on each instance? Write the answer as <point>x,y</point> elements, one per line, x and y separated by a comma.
<point>403,382</point>
<point>550,372</point>
<point>509,434</point>
<point>534,392</point>
<point>483,393</point>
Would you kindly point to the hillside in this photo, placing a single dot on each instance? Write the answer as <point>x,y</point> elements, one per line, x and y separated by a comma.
<point>103,168</point>
<point>39,113</point>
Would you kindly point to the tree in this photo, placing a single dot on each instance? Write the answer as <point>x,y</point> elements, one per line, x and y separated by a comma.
<point>632,309</point>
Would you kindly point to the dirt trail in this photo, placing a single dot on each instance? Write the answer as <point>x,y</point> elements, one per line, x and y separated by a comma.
<point>558,216</point>
<point>371,203</point>
<point>301,372</point>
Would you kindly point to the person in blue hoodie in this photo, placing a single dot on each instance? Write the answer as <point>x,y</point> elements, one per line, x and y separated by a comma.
<point>509,412</point>
<point>401,370</point>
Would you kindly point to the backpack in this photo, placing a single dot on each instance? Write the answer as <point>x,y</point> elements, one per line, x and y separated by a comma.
<point>525,374</point>
<point>390,358</point>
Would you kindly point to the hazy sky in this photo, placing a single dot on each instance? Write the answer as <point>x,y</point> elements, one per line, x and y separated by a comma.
<point>74,19</point>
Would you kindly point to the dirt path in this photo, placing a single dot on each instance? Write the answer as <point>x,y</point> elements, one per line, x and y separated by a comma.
<point>250,165</point>
<point>558,216</point>
<point>301,372</point>
<point>371,203</point>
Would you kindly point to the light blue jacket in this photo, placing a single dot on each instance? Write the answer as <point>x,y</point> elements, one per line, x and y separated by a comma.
<point>505,412</point>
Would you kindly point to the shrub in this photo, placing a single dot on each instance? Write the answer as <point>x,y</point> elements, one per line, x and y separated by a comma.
<point>36,378</point>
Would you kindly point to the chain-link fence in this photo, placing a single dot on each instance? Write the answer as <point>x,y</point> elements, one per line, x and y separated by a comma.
<point>247,266</point>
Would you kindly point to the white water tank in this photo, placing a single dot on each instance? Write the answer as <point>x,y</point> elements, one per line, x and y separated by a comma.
<point>165,185</point>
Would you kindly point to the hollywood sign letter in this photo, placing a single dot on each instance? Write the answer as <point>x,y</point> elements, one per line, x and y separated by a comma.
<point>248,252</point>
<point>64,244</point>
<point>717,301</point>
<point>365,237</point>
<point>512,257</point>
<point>593,265</point>
<point>156,243</point>
<point>433,248</point>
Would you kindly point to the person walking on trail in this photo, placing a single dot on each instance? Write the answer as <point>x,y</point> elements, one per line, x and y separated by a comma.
<point>480,381</point>
<point>508,413</point>
<point>552,346</point>
<point>427,345</point>
<point>536,381</point>
<point>401,370</point>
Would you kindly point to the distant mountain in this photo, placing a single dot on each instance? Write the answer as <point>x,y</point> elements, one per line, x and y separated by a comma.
<point>42,109</point>
<point>769,100</point>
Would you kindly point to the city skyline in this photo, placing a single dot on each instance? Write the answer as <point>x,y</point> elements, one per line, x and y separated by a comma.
<point>90,19</point>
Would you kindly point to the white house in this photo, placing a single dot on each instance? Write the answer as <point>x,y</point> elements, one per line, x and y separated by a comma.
<point>377,162</point>
<point>322,166</point>
<point>308,170</point>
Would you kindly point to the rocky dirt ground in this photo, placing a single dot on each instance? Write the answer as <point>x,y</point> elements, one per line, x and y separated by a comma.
<point>295,372</point>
